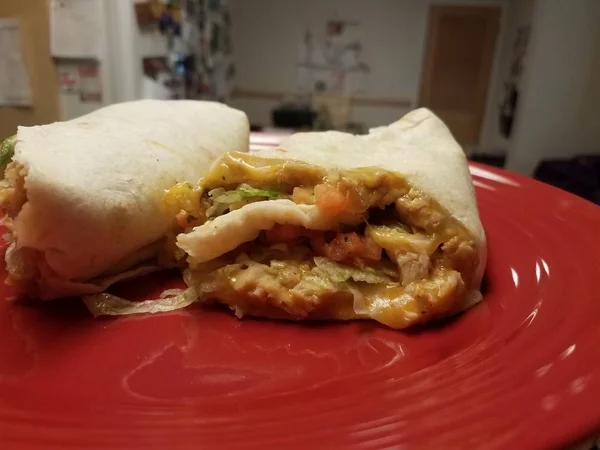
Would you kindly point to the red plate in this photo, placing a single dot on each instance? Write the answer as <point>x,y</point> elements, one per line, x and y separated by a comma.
<point>520,370</point>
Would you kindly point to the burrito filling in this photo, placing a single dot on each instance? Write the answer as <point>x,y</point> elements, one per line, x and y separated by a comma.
<point>12,198</point>
<point>369,245</point>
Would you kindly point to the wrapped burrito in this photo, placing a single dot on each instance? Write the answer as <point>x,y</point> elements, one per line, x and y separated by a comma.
<point>83,199</point>
<point>335,226</point>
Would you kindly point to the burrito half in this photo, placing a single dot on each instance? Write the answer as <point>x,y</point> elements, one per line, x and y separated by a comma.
<point>335,226</point>
<point>83,199</point>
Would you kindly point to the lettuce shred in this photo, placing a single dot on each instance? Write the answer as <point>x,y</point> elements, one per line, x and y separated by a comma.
<point>246,192</point>
<point>340,273</point>
<point>7,151</point>
<point>110,305</point>
<point>223,200</point>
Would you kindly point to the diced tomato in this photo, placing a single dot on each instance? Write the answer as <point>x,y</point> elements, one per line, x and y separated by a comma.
<point>338,247</point>
<point>347,246</point>
<point>318,244</point>
<point>285,233</point>
<point>330,199</point>
<point>370,250</point>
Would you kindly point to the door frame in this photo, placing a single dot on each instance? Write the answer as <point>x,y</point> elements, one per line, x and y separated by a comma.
<point>434,12</point>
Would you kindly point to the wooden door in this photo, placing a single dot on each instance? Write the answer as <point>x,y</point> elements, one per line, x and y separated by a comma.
<point>458,62</point>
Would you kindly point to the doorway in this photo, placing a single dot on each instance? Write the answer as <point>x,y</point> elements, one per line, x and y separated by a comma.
<point>459,54</point>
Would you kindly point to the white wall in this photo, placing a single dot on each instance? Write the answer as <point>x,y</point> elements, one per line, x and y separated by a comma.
<point>589,126</point>
<point>70,105</point>
<point>555,117</point>
<point>123,48</point>
<point>519,13</point>
<point>267,36</point>
<point>127,45</point>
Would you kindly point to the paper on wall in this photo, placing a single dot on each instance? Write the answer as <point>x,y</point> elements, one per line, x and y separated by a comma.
<point>15,89</point>
<point>68,78</point>
<point>76,28</point>
<point>90,84</point>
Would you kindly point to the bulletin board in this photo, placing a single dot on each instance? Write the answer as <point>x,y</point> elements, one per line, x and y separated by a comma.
<point>33,16</point>
<point>331,58</point>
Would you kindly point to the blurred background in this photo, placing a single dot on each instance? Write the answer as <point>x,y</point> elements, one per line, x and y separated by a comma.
<point>516,81</point>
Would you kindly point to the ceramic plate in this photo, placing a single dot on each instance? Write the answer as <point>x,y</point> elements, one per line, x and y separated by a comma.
<point>519,370</point>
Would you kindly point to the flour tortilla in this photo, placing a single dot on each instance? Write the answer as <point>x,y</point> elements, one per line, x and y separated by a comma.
<point>419,146</point>
<point>94,186</point>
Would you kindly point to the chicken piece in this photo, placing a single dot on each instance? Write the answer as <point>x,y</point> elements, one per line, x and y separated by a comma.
<point>411,266</point>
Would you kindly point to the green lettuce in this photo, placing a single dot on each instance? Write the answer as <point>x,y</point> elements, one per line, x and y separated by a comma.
<point>246,192</point>
<point>7,151</point>
<point>223,200</point>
